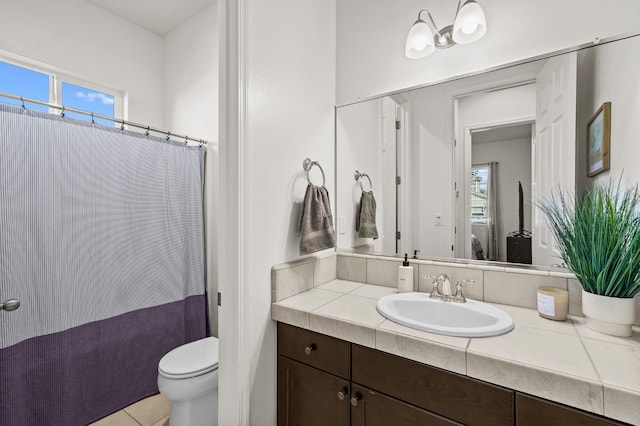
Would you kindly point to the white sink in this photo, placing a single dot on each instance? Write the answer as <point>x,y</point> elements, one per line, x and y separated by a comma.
<point>470,319</point>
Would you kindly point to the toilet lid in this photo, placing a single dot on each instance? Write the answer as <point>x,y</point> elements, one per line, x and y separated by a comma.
<point>192,359</point>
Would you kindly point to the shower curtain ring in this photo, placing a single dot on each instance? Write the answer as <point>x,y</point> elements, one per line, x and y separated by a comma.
<point>22,100</point>
<point>147,132</point>
<point>168,135</point>
<point>186,140</point>
<point>201,143</point>
<point>122,125</point>
<point>93,121</point>
<point>62,112</point>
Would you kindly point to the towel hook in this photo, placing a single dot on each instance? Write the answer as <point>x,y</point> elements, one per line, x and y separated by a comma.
<point>307,164</point>
<point>359,177</point>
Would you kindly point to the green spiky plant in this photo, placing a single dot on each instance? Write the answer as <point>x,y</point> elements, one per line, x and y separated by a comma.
<point>598,233</point>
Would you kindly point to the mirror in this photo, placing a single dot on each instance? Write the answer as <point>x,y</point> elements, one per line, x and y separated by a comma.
<point>456,167</point>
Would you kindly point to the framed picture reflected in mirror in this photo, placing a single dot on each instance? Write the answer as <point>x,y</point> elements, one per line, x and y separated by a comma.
<point>598,140</point>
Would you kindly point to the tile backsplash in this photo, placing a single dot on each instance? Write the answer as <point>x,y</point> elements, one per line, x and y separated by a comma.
<point>491,283</point>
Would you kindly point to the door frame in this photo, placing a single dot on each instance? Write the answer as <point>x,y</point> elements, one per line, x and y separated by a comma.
<point>461,158</point>
<point>468,157</point>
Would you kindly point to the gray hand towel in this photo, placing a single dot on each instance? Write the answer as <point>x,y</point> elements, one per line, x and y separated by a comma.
<point>316,223</point>
<point>366,218</point>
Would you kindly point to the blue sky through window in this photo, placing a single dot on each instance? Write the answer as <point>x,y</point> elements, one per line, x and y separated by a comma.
<point>27,83</point>
<point>87,100</point>
<point>24,82</point>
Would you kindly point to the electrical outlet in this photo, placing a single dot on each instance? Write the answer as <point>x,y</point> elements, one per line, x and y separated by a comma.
<point>438,219</point>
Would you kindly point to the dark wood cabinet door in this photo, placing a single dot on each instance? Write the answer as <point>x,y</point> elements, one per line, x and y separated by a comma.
<point>374,409</point>
<point>310,397</point>
<point>450,395</point>
<point>532,411</point>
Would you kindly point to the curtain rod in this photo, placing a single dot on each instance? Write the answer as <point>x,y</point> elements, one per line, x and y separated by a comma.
<point>122,122</point>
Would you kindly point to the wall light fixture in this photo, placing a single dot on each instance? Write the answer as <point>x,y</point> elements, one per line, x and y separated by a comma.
<point>469,25</point>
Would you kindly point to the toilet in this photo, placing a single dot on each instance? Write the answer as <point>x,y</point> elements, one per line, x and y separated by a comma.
<point>188,377</point>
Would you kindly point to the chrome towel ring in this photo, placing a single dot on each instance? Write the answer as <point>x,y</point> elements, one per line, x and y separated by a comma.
<point>307,164</point>
<point>359,177</point>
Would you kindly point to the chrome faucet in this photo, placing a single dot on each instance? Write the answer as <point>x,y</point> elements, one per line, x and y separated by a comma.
<point>445,295</point>
<point>445,285</point>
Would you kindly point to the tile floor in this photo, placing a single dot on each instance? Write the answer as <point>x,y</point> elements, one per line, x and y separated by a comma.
<point>152,411</point>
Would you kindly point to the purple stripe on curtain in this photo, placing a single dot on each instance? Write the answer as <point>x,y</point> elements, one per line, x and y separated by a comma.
<point>80,375</point>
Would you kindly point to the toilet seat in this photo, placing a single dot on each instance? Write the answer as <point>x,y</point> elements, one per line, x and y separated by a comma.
<point>193,359</point>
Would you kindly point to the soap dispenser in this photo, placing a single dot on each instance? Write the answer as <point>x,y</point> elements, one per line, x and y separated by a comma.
<point>405,277</point>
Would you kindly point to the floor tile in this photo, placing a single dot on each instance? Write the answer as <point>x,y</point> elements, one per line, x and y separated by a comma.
<point>162,422</point>
<point>149,410</point>
<point>119,418</point>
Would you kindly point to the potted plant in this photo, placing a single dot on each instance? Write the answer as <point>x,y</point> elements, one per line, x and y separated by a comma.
<point>598,233</point>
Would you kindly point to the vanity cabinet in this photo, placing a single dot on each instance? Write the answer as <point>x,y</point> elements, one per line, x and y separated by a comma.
<point>447,394</point>
<point>313,378</point>
<point>308,396</point>
<point>327,381</point>
<point>375,409</point>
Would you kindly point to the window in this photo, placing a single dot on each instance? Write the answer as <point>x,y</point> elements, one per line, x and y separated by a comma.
<point>24,82</point>
<point>479,176</point>
<point>21,79</point>
<point>88,100</point>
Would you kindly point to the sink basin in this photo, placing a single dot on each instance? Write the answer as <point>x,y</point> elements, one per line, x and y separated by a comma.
<point>470,319</point>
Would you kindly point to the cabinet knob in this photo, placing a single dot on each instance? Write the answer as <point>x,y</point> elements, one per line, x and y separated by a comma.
<point>342,394</point>
<point>312,347</point>
<point>354,400</point>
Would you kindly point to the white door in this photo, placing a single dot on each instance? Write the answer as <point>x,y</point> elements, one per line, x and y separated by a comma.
<point>554,146</point>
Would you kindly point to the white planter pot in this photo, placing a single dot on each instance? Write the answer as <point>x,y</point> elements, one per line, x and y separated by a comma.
<point>609,315</point>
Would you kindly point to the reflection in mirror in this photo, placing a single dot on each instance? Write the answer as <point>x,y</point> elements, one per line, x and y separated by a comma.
<point>425,150</point>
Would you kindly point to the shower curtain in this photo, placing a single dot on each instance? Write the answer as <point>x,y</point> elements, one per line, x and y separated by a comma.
<point>101,240</point>
<point>492,212</point>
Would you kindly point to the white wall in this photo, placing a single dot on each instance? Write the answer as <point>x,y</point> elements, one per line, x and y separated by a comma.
<point>191,76</point>
<point>371,38</point>
<point>90,44</point>
<point>514,164</point>
<point>619,85</point>
<point>278,90</point>
<point>191,109</point>
<point>432,180</point>
<point>360,127</point>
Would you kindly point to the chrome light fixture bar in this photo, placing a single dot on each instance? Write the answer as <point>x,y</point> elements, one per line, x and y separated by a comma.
<point>469,25</point>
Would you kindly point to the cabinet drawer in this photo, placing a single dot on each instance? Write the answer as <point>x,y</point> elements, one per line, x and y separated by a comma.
<point>451,395</point>
<point>317,350</point>
<point>532,411</point>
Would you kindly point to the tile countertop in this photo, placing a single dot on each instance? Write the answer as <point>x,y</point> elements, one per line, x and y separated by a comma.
<point>560,361</point>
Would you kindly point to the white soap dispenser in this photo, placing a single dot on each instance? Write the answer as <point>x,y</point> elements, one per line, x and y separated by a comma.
<point>405,277</point>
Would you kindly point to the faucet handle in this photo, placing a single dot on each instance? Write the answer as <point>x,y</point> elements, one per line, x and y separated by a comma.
<point>435,292</point>
<point>459,297</point>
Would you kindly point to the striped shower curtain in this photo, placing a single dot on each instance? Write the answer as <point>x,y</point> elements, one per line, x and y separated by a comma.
<point>101,240</point>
